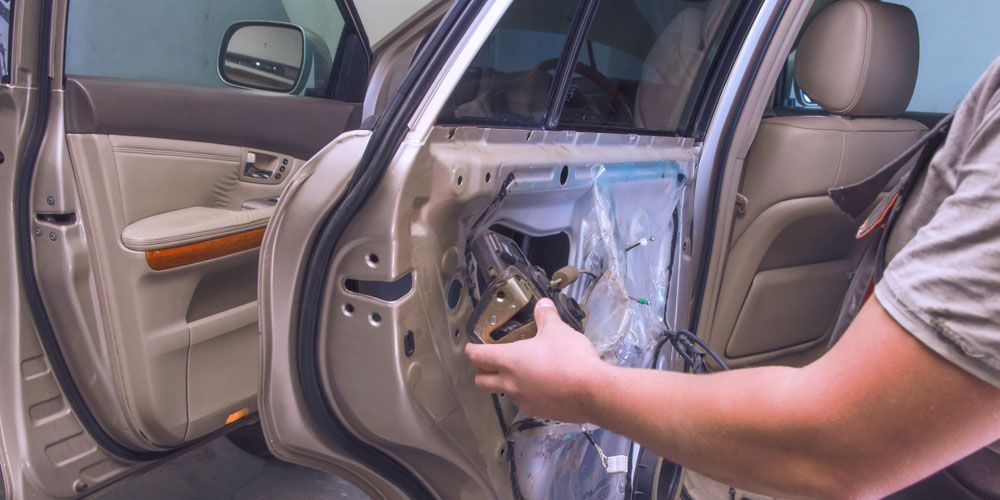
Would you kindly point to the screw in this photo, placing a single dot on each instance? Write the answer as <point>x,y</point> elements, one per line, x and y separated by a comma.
<point>51,200</point>
<point>52,235</point>
<point>38,231</point>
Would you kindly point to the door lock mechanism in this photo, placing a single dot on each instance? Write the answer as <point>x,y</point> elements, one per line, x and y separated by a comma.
<point>510,286</point>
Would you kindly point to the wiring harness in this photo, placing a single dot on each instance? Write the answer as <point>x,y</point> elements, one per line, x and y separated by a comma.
<point>691,349</point>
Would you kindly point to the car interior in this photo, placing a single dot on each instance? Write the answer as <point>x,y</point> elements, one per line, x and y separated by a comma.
<point>155,198</point>
<point>791,250</point>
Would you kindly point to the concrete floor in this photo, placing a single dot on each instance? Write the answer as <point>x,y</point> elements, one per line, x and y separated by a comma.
<point>219,469</point>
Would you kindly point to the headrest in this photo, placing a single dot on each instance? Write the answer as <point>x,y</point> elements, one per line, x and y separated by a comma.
<point>859,58</point>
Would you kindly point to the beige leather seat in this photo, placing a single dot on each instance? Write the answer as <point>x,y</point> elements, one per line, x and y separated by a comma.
<point>792,251</point>
<point>673,64</point>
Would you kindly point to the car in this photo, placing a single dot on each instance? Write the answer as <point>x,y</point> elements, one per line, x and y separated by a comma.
<point>226,212</point>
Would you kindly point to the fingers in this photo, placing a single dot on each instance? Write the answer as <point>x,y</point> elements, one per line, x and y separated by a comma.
<point>546,314</point>
<point>489,382</point>
<point>491,358</point>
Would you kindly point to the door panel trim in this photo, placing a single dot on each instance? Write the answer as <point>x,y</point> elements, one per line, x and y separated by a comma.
<point>170,258</point>
<point>115,106</point>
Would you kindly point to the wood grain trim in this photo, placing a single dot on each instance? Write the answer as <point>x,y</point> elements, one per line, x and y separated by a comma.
<point>170,258</point>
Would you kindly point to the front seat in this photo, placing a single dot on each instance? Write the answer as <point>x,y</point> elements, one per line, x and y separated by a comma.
<point>792,251</point>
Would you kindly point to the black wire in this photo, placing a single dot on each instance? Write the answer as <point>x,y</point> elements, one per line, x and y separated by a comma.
<point>691,349</point>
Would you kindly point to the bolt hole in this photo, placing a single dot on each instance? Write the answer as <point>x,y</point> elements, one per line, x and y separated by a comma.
<point>564,175</point>
<point>503,450</point>
<point>456,333</point>
<point>375,319</point>
<point>460,180</point>
<point>348,309</point>
<point>372,259</point>
<point>488,176</point>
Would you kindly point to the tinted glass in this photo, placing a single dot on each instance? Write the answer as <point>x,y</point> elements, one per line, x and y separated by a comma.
<point>508,82</point>
<point>178,41</point>
<point>643,63</point>
<point>6,21</point>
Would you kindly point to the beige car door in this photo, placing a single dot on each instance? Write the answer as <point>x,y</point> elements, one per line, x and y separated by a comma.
<point>367,286</point>
<point>152,144</point>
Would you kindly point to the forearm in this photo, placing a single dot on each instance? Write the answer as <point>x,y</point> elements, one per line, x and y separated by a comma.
<point>751,427</point>
<point>876,413</point>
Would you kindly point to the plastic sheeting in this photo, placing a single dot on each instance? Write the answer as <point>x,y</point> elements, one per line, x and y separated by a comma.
<point>627,248</point>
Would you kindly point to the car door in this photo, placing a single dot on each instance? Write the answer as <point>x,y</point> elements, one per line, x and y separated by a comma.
<point>573,128</point>
<point>154,139</point>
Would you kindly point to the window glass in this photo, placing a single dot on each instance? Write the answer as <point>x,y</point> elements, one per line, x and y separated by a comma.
<point>642,64</point>
<point>508,82</point>
<point>6,24</point>
<point>958,41</point>
<point>178,41</point>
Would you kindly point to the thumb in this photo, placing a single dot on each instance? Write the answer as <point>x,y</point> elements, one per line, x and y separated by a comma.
<point>546,314</point>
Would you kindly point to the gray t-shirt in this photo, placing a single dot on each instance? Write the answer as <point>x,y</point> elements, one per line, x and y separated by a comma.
<point>942,283</point>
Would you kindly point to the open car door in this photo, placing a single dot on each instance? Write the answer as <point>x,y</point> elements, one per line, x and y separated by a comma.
<point>147,143</point>
<point>368,279</point>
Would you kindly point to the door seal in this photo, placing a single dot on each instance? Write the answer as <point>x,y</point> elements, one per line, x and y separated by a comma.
<point>386,137</point>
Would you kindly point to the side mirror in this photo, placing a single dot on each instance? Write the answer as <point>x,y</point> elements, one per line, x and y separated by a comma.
<point>263,55</point>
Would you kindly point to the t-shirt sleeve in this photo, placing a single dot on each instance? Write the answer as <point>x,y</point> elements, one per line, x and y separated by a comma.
<point>944,284</point>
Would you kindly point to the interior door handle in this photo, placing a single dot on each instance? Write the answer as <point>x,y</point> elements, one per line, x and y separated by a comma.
<point>251,170</point>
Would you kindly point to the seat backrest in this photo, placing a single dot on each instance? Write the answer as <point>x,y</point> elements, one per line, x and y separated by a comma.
<point>792,250</point>
<point>672,66</point>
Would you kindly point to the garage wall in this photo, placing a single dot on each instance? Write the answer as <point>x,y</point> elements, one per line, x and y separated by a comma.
<point>382,16</point>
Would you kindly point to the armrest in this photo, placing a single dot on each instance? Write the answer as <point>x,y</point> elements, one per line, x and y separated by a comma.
<point>191,225</point>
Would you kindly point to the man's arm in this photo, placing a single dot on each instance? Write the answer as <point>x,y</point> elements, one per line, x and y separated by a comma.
<point>876,413</point>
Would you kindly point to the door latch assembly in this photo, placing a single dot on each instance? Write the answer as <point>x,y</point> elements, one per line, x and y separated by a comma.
<point>509,287</point>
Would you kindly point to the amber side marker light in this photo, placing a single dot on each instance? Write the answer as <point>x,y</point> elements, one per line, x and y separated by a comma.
<point>236,415</point>
<point>169,258</point>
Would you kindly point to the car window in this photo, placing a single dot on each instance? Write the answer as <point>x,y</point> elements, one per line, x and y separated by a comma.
<point>639,69</point>
<point>958,41</point>
<point>643,63</point>
<point>6,28</point>
<point>509,80</point>
<point>178,41</point>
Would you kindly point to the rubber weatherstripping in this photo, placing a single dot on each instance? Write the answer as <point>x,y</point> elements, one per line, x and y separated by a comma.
<point>385,140</point>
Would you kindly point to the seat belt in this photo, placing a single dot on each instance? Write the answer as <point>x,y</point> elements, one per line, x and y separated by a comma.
<point>863,197</point>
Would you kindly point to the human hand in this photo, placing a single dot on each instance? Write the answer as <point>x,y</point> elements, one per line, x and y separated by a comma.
<point>552,375</point>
